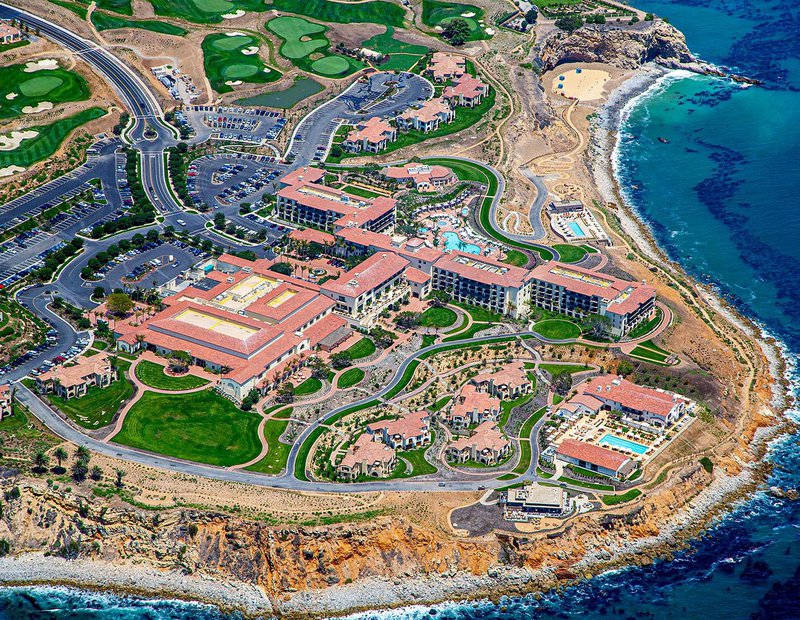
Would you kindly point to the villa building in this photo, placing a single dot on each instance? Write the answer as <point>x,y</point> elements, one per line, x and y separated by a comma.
<point>642,404</point>
<point>535,500</point>
<point>578,405</point>
<point>367,458</point>
<point>240,319</point>
<point>370,136</point>
<point>74,380</point>
<point>444,66</point>
<point>507,383</point>
<point>484,282</point>
<point>472,407</point>
<point>487,445</point>
<point>570,290</point>
<point>6,401</point>
<point>369,287</point>
<point>9,34</point>
<point>411,431</point>
<point>428,117</point>
<point>466,91</point>
<point>304,201</point>
<point>595,458</point>
<point>423,177</point>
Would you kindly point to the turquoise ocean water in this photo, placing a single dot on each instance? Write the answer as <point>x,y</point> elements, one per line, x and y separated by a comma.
<point>722,198</point>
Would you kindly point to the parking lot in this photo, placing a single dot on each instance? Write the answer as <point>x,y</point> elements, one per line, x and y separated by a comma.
<point>155,263</point>
<point>233,178</point>
<point>252,126</point>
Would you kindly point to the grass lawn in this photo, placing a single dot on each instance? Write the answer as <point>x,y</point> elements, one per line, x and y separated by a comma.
<point>275,461</point>
<point>205,11</point>
<point>438,317</point>
<point>187,426</point>
<point>349,378</point>
<point>646,327</point>
<point>436,13</point>
<point>152,374</point>
<point>569,253</point>
<point>98,407</point>
<point>649,344</point>
<point>507,406</point>
<point>557,329</point>
<point>439,404</point>
<point>307,47</point>
<point>527,428</point>
<point>371,12</point>
<point>48,140</point>
<point>19,89</point>
<point>648,355</point>
<point>103,21</point>
<point>516,258</point>
<point>613,500</point>
<point>363,348</point>
<point>402,56</point>
<point>524,458</point>
<point>11,46</point>
<point>360,191</point>
<point>224,61</point>
<point>309,386</point>
<point>420,467</point>
<point>118,6</point>
<point>303,451</point>
<point>555,369</point>
<point>480,314</point>
<point>467,333</point>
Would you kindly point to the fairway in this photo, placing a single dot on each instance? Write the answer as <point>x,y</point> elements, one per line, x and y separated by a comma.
<point>402,56</point>
<point>102,22</point>
<point>206,11</point>
<point>371,12</point>
<point>20,89</point>
<point>291,30</point>
<point>435,13</point>
<point>201,426</point>
<point>224,61</point>
<point>49,139</point>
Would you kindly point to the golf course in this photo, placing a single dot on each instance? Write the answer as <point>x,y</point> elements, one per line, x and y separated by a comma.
<point>231,60</point>
<point>23,87</point>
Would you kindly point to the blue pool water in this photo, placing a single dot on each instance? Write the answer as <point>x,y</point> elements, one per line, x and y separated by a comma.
<point>577,230</point>
<point>441,223</point>
<point>618,442</point>
<point>453,242</point>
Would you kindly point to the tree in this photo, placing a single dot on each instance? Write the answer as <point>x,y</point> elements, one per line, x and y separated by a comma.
<point>119,304</point>
<point>82,454</point>
<point>532,15</point>
<point>569,23</point>
<point>457,31</point>
<point>152,235</point>
<point>99,292</point>
<point>250,400</point>
<point>60,454</point>
<point>179,362</point>
<point>97,473</point>
<point>624,368</point>
<point>80,470</point>
<point>319,369</point>
<point>285,393</point>
<point>283,267</point>
<point>219,220</point>
<point>407,320</point>
<point>340,360</point>
<point>41,461</point>
<point>598,325</point>
<point>120,475</point>
<point>561,382</point>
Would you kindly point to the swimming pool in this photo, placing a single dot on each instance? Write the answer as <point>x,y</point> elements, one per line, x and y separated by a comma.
<point>618,442</point>
<point>442,223</point>
<point>453,242</point>
<point>577,230</point>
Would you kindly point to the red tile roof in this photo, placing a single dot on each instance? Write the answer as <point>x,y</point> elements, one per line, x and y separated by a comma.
<point>628,394</point>
<point>312,235</point>
<point>589,453</point>
<point>370,274</point>
<point>416,276</point>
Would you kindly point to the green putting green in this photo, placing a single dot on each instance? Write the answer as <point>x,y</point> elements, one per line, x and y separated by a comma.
<point>292,30</point>
<point>228,43</point>
<point>238,72</point>
<point>225,61</point>
<point>330,65</point>
<point>40,85</point>
<point>435,13</point>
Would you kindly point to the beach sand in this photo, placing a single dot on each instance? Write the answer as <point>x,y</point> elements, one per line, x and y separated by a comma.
<point>584,86</point>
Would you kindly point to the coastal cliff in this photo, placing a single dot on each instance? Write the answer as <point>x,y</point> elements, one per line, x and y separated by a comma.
<point>626,47</point>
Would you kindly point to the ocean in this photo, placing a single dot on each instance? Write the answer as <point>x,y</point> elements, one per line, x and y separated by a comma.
<point>720,192</point>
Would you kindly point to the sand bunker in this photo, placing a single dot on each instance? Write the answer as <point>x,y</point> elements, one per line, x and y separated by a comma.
<point>233,82</point>
<point>9,170</point>
<point>39,65</point>
<point>583,86</point>
<point>235,34</point>
<point>468,14</point>
<point>39,107</point>
<point>11,96</point>
<point>253,49</point>
<point>239,13</point>
<point>490,31</point>
<point>11,141</point>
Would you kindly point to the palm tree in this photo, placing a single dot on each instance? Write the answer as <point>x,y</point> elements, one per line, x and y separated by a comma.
<point>82,454</point>
<point>41,460</point>
<point>60,454</point>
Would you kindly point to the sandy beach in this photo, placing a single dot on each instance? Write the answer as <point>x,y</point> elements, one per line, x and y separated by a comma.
<point>580,83</point>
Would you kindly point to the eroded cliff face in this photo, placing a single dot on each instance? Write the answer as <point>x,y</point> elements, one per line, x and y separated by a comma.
<point>626,47</point>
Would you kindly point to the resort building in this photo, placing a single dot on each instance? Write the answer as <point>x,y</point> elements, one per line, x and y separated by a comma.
<point>411,431</point>
<point>487,445</point>
<point>428,117</point>
<point>75,379</point>
<point>9,34</point>
<point>304,201</point>
<point>642,404</point>
<point>355,241</point>
<point>472,407</point>
<point>367,458</point>
<point>444,66</point>
<point>6,401</point>
<point>595,458</point>
<point>565,207</point>
<point>579,405</point>
<point>370,136</point>
<point>466,91</point>
<point>507,383</point>
<point>365,290</point>
<point>422,177</point>
<point>570,290</point>
<point>484,282</point>
<point>419,282</point>
<point>240,319</point>
<point>535,500</point>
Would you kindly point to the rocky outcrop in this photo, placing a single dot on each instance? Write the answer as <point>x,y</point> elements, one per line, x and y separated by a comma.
<point>623,46</point>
